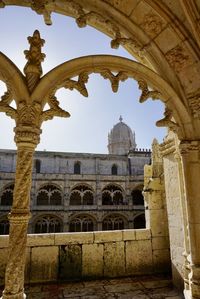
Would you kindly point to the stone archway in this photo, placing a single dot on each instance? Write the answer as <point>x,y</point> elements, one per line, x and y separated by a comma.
<point>171,60</point>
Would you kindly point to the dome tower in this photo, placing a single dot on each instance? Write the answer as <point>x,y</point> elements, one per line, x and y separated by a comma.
<point>121,139</point>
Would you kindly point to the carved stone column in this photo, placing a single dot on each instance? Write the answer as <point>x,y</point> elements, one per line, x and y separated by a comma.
<point>190,153</point>
<point>26,139</point>
<point>28,115</point>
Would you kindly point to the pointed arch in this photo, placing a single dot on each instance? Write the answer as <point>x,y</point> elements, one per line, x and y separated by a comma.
<point>12,76</point>
<point>97,63</point>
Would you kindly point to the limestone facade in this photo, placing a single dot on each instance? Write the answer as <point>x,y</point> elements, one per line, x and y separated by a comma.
<point>80,192</point>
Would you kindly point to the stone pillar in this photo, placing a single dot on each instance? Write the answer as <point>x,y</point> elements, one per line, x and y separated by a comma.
<point>99,226</point>
<point>26,139</point>
<point>190,154</point>
<point>186,253</point>
<point>155,209</point>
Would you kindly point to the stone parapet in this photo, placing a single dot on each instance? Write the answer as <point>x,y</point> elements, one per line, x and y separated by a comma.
<point>69,256</point>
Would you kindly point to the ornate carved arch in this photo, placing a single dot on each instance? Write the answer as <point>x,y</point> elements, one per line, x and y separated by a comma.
<point>107,66</point>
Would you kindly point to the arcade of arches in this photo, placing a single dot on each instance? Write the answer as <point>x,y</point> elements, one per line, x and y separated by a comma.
<point>164,37</point>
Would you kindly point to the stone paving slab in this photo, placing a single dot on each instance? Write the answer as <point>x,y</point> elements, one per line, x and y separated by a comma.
<point>149,287</point>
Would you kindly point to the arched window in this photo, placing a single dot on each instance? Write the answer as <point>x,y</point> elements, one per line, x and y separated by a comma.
<point>114,169</point>
<point>37,166</point>
<point>49,195</point>
<point>139,221</point>
<point>81,224</point>
<point>7,195</point>
<point>112,195</point>
<point>77,167</point>
<point>137,197</point>
<point>113,222</point>
<point>81,195</point>
<point>4,227</point>
<point>48,224</point>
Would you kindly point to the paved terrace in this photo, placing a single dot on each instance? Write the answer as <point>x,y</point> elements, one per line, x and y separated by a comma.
<point>154,287</point>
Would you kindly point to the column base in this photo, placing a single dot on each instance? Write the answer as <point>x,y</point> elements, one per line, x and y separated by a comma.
<point>21,295</point>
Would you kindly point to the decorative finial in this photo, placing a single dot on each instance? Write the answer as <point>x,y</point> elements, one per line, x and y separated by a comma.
<point>33,68</point>
<point>120,118</point>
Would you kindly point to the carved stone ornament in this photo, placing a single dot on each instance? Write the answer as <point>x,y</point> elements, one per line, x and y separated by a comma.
<point>97,19</point>
<point>54,110</point>
<point>114,79</point>
<point>155,155</point>
<point>167,147</point>
<point>5,102</point>
<point>33,68</point>
<point>78,85</point>
<point>187,146</point>
<point>133,44</point>
<point>194,103</point>
<point>167,122</point>
<point>146,93</point>
<point>177,58</point>
<point>152,24</point>
<point>40,7</point>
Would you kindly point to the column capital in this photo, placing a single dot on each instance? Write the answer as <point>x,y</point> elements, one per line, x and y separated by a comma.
<point>27,136</point>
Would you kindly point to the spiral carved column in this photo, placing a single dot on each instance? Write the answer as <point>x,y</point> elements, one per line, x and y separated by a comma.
<point>26,140</point>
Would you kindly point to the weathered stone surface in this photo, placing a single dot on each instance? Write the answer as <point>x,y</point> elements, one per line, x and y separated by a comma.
<point>128,235</point>
<point>107,236</point>
<point>138,257</point>
<point>44,264</point>
<point>92,260</point>
<point>76,238</point>
<point>143,234</point>
<point>161,260</point>
<point>114,259</point>
<point>70,266</point>
<point>41,240</point>
<point>3,261</point>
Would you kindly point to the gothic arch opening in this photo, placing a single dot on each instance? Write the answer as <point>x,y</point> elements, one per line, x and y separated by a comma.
<point>48,224</point>
<point>49,194</point>
<point>7,195</point>
<point>82,223</point>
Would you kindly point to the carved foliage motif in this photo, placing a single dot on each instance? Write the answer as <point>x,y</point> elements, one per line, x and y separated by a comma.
<point>34,56</point>
<point>5,102</point>
<point>167,122</point>
<point>133,44</point>
<point>146,93</point>
<point>194,103</point>
<point>78,85</point>
<point>54,110</point>
<point>40,7</point>
<point>114,79</point>
<point>152,24</point>
<point>177,58</point>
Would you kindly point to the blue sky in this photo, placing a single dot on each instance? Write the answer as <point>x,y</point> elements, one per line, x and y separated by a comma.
<point>91,118</point>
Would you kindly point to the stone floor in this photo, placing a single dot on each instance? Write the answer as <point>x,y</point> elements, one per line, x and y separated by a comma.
<point>153,287</point>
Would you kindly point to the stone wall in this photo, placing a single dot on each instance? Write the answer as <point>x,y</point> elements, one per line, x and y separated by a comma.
<point>70,256</point>
<point>62,163</point>
<point>174,188</point>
